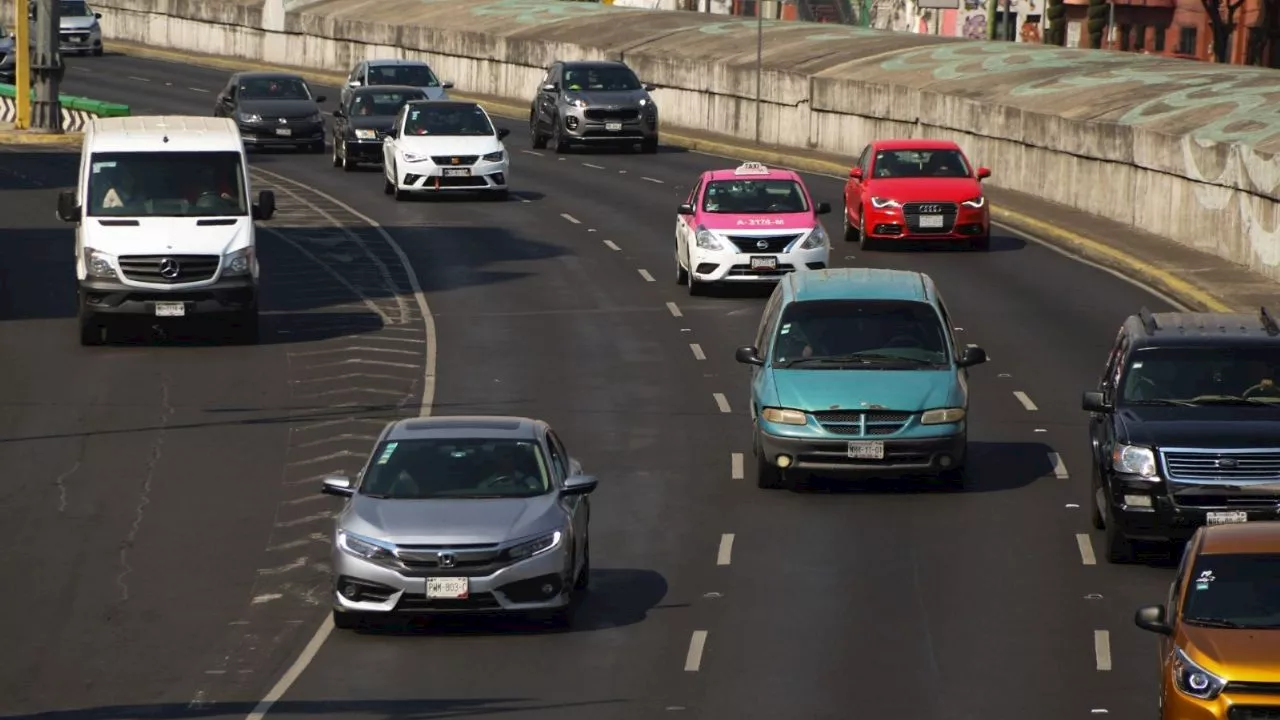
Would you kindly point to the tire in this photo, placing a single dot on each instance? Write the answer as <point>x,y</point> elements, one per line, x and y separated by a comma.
<point>559,144</point>
<point>954,478</point>
<point>347,164</point>
<point>649,146</point>
<point>868,244</point>
<point>337,161</point>
<point>1096,519</point>
<point>348,620</point>
<point>92,332</point>
<point>768,477</point>
<point>97,52</point>
<point>537,140</point>
<point>400,195</point>
<point>500,195</point>
<point>980,243</point>
<point>851,233</point>
<point>1120,549</point>
<point>682,275</point>
<point>388,187</point>
<point>584,573</point>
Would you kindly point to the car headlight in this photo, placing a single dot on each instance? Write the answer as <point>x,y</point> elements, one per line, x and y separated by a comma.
<point>643,102</point>
<point>942,416</point>
<point>577,102</point>
<point>536,546</point>
<point>784,416</point>
<point>1134,460</point>
<point>494,156</point>
<point>99,264</point>
<point>366,134</point>
<point>365,547</point>
<point>1193,680</point>
<point>239,262</point>
<point>412,157</point>
<point>882,203</point>
<point>816,239</point>
<point>250,117</point>
<point>315,117</point>
<point>975,202</point>
<point>706,240</point>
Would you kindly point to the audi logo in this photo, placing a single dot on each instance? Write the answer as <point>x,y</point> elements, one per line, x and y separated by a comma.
<point>930,208</point>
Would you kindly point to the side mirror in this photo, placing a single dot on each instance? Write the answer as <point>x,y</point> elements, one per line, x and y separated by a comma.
<point>68,208</point>
<point>855,173</point>
<point>447,85</point>
<point>579,485</point>
<point>823,208</point>
<point>972,356</point>
<point>393,132</point>
<point>353,84</point>
<point>339,485</point>
<point>748,355</point>
<point>265,209</point>
<point>1152,619</point>
<point>549,87</point>
<point>97,16</point>
<point>983,173</point>
<point>503,132</point>
<point>320,99</point>
<point>684,209</point>
<point>337,112</point>
<point>1094,401</point>
<point>650,87</point>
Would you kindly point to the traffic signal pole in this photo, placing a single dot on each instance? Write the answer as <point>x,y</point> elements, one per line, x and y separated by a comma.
<point>22,67</point>
<point>47,68</point>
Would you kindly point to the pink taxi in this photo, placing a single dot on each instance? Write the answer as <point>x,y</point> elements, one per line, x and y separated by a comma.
<point>748,224</point>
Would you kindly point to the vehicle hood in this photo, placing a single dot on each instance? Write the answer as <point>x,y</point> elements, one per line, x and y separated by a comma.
<point>273,108</point>
<point>450,144</point>
<point>372,122</point>
<point>77,23</point>
<point>435,93</point>
<point>904,390</point>
<point>1198,427</point>
<point>609,99</point>
<point>448,522</point>
<point>925,189</point>
<point>166,235</point>
<point>7,44</point>
<point>767,224</point>
<point>1242,655</point>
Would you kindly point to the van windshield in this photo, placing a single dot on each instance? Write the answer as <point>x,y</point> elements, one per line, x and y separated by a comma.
<point>862,334</point>
<point>166,184</point>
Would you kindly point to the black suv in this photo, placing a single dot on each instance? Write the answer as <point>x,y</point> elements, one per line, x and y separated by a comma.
<point>1185,427</point>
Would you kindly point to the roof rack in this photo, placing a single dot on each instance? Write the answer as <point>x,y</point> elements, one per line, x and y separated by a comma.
<point>1148,321</point>
<point>751,168</point>
<point>1268,322</point>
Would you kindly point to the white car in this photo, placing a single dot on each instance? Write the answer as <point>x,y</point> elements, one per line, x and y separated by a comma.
<point>748,224</point>
<point>444,146</point>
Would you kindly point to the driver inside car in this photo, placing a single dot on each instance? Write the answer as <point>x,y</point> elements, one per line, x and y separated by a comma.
<point>1266,385</point>
<point>511,469</point>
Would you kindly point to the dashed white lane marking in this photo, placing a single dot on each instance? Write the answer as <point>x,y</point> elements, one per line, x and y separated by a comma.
<point>622,172</point>
<point>139,79</point>
<point>652,180</point>
<point>195,89</point>
<point>697,644</point>
<point>531,152</point>
<point>697,351</point>
<point>597,167</point>
<point>1026,401</point>
<point>675,311</point>
<point>722,402</point>
<point>571,218</point>
<point>645,274</point>
<point>612,245</point>
<point>1059,467</point>
<point>1086,549</point>
<point>1102,649</point>
<point>725,555</point>
<point>735,466</point>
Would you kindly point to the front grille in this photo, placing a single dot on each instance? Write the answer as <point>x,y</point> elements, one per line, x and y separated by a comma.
<point>169,269</point>
<point>772,243</point>
<point>455,160</point>
<point>1206,498</point>
<point>862,424</point>
<point>1200,465</point>
<point>913,211</point>
<point>602,115</point>
<point>468,560</point>
<point>1253,712</point>
<point>1253,688</point>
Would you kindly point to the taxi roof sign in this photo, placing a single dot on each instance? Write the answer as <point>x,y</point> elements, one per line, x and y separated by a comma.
<point>751,168</point>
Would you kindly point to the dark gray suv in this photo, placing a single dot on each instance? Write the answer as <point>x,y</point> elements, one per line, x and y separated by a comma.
<point>593,103</point>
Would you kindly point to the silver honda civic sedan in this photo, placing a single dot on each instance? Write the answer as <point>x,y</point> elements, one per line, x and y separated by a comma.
<point>480,514</point>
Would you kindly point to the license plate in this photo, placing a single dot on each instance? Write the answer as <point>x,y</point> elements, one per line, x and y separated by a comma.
<point>931,221</point>
<point>764,263</point>
<point>457,172</point>
<point>284,132</point>
<point>170,309</point>
<point>448,588</point>
<point>1226,518</point>
<point>866,450</point>
<point>613,127</point>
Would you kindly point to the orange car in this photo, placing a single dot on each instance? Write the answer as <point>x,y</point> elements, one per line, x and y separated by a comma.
<point>1220,627</point>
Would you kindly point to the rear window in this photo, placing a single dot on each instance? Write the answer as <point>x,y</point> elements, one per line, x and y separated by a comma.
<point>874,334</point>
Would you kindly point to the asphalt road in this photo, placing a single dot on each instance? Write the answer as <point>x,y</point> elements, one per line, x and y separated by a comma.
<point>710,598</point>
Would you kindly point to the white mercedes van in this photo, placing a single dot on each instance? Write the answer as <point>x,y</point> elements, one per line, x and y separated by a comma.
<point>165,224</point>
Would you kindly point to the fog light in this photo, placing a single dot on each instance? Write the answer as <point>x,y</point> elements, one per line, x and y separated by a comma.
<point>350,591</point>
<point>1138,500</point>
<point>945,461</point>
<point>548,589</point>
<point>784,461</point>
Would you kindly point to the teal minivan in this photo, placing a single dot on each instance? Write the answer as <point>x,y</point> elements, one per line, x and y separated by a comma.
<point>856,373</point>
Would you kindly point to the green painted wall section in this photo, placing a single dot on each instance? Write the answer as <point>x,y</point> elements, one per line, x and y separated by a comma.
<point>89,105</point>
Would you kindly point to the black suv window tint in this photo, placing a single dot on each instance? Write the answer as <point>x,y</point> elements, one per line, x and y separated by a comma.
<point>1244,375</point>
<point>1234,591</point>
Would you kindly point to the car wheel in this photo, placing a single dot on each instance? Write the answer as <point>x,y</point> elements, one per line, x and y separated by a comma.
<point>1095,492</point>
<point>696,288</point>
<point>92,332</point>
<point>557,138</point>
<point>537,140</point>
<point>388,187</point>
<point>584,573</point>
<point>348,165</point>
<point>649,146</point>
<point>768,477</point>
<point>97,52</point>
<point>682,275</point>
<point>1120,549</point>
<point>500,195</point>
<point>981,242</point>
<point>395,188</point>
<point>868,244</point>
<point>954,478</point>
<point>348,620</point>
<point>244,328</point>
<point>851,233</point>
<point>337,161</point>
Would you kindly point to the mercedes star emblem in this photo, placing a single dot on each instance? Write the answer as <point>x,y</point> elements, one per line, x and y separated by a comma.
<point>169,268</point>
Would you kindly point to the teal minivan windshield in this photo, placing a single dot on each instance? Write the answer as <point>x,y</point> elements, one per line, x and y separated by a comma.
<point>867,334</point>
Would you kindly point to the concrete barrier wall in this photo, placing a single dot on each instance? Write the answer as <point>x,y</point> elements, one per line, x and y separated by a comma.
<point>76,111</point>
<point>1182,149</point>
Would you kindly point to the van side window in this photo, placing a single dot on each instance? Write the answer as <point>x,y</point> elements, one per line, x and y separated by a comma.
<point>767,321</point>
<point>950,327</point>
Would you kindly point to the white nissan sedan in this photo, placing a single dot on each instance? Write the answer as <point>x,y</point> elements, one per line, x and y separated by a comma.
<point>444,146</point>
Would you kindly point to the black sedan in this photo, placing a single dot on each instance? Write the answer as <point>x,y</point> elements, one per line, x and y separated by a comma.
<point>360,125</point>
<point>273,109</point>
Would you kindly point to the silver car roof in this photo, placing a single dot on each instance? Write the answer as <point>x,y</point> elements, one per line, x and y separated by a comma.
<point>488,427</point>
<point>391,62</point>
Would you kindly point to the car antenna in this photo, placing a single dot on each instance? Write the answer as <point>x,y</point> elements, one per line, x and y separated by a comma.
<point>1268,322</point>
<point>1148,321</point>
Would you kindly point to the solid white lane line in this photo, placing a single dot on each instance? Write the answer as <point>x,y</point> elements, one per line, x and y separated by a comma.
<point>1059,467</point>
<point>735,466</point>
<point>139,79</point>
<point>571,218</point>
<point>725,555</point>
<point>697,644</point>
<point>697,351</point>
<point>291,675</point>
<point>1026,401</point>
<point>597,167</point>
<point>645,274</point>
<point>1102,649</point>
<point>199,89</point>
<point>612,245</point>
<point>722,402</point>
<point>1086,549</point>
<point>675,311</point>
<point>652,180</point>
<point>531,152</point>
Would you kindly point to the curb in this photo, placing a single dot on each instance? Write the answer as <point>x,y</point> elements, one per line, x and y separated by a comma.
<point>1074,244</point>
<point>27,137</point>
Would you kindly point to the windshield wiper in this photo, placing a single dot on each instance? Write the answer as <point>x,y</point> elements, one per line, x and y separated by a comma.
<point>1213,622</point>
<point>1225,400</point>
<point>1161,401</point>
<point>376,496</point>
<point>835,359</point>
<point>894,358</point>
